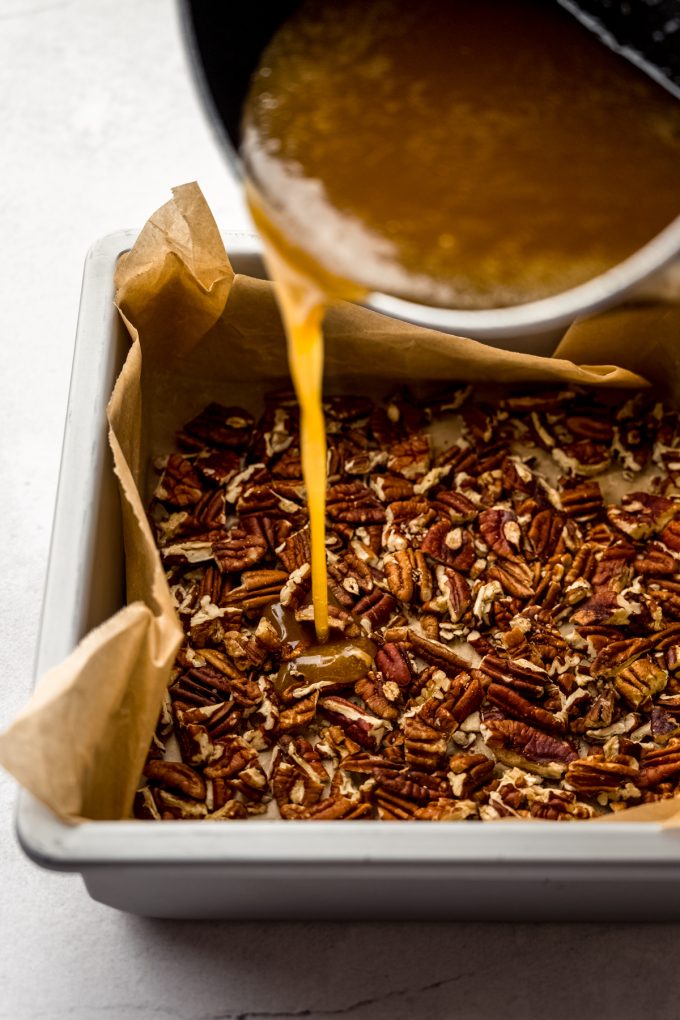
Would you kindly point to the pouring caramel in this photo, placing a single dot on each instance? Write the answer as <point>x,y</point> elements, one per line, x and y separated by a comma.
<point>469,154</point>
<point>303,296</point>
<point>333,662</point>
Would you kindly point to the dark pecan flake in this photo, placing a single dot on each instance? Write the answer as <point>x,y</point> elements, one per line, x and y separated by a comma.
<point>217,427</point>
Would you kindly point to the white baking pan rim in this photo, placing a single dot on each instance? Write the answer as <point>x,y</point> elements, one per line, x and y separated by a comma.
<point>472,847</point>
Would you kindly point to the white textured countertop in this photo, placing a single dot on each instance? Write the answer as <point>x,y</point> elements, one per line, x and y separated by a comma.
<point>98,119</point>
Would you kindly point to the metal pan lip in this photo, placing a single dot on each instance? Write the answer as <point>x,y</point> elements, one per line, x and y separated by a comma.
<point>477,849</point>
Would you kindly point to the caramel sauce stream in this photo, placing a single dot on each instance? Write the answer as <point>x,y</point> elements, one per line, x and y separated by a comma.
<point>303,297</point>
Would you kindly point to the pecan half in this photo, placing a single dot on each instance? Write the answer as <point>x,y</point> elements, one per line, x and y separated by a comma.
<point>583,501</point>
<point>424,746</point>
<point>637,683</point>
<point>240,548</point>
<point>393,662</point>
<point>435,652</point>
<point>380,695</point>
<point>177,777</point>
<point>399,567</point>
<point>354,503</point>
<point>450,546</point>
<point>520,674</point>
<point>501,531</point>
<point>612,778</point>
<point>660,766</point>
<point>519,708</point>
<point>516,743</point>
<point>516,578</point>
<point>376,607</point>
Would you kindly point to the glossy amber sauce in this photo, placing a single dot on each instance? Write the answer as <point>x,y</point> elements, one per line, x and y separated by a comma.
<point>340,661</point>
<point>469,153</point>
<point>303,296</point>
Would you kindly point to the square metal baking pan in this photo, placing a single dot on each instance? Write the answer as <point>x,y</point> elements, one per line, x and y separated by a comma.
<point>276,869</point>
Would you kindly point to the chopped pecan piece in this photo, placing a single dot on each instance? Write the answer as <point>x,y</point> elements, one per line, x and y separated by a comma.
<point>467,772</point>
<point>582,501</point>
<point>366,729</point>
<point>217,427</point>
<point>516,743</point>
<point>353,503</point>
<point>240,548</point>
<point>410,457</point>
<point>424,746</point>
<point>613,778</point>
<point>179,485</point>
<point>501,531</point>
<point>642,514</point>
<point>640,681</point>
<point>380,695</point>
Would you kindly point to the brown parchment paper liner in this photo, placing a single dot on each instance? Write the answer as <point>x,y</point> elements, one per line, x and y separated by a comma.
<point>198,333</point>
